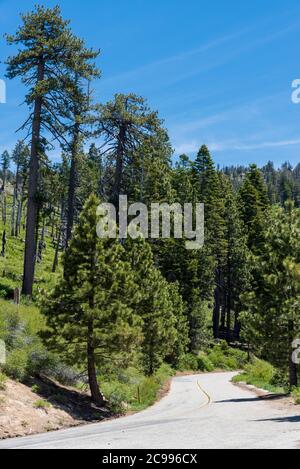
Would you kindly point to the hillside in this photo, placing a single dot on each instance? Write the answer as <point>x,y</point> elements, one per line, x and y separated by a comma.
<point>41,406</point>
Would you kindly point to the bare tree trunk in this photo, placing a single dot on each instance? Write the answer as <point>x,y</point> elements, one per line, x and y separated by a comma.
<point>119,168</point>
<point>293,376</point>
<point>15,204</point>
<point>72,184</point>
<point>216,313</point>
<point>19,215</point>
<point>3,244</point>
<point>32,206</point>
<point>55,262</point>
<point>97,397</point>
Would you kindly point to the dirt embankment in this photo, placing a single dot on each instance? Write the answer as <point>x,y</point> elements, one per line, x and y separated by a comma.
<point>43,406</point>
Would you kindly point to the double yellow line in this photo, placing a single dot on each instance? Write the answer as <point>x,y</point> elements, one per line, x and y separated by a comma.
<point>209,399</point>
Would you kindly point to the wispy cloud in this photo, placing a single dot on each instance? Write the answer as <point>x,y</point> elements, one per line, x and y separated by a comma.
<point>175,58</point>
<point>232,53</point>
<point>191,147</point>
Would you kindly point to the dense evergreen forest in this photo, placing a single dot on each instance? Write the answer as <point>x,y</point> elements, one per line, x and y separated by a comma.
<point>143,302</point>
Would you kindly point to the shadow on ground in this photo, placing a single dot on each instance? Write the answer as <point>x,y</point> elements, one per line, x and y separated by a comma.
<point>290,419</point>
<point>267,397</point>
<point>77,404</point>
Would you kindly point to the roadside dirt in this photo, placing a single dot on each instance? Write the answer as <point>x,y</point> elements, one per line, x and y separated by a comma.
<point>280,401</point>
<point>43,406</point>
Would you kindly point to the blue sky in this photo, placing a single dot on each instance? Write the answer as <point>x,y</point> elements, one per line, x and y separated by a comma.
<point>218,72</point>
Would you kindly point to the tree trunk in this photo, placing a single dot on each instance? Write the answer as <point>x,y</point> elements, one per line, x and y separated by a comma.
<point>32,205</point>
<point>3,244</point>
<point>216,313</point>
<point>4,198</point>
<point>15,204</point>
<point>19,215</point>
<point>55,261</point>
<point>97,397</point>
<point>4,208</point>
<point>293,377</point>
<point>119,168</point>
<point>72,184</point>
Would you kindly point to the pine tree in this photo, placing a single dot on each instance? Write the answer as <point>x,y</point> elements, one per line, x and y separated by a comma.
<point>160,308</point>
<point>124,123</point>
<point>207,187</point>
<point>90,316</point>
<point>236,271</point>
<point>79,113</point>
<point>5,164</point>
<point>253,202</point>
<point>49,53</point>
<point>272,321</point>
<point>20,157</point>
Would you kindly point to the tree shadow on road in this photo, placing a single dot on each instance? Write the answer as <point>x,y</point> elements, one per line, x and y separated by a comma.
<point>268,397</point>
<point>291,419</point>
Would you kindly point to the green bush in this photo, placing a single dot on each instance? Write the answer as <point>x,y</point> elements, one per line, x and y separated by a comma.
<point>35,388</point>
<point>262,375</point>
<point>188,362</point>
<point>26,356</point>
<point>260,370</point>
<point>41,404</point>
<point>62,373</point>
<point>16,364</point>
<point>164,372</point>
<point>3,379</point>
<point>296,395</point>
<point>204,363</point>
<point>227,358</point>
<point>131,389</point>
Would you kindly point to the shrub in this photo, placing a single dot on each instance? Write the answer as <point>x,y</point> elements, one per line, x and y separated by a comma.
<point>62,373</point>
<point>204,363</point>
<point>130,388</point>
<point>164,372</point>
<point>188,362</point>
<point>262,375</point>
<point>35,388</point>
<point>224,357</point>
<point>16,364</point>
<point>261,371</point>
<point>3,379</point>
<point>296,395</point>
<point>41,404</point>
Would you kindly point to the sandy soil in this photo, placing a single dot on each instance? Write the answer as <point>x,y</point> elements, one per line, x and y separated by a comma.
<point>66,407</point>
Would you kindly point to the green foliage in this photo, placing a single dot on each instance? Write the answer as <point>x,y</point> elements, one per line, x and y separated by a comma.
<point>224,357</point>
<point>26,355</point>
<point>3,379</point>
<point>204,362</point>
<point>188,362</point>
<point>35,388</point>
<point>296,395</point>
<point>131,390</point>
<point>271,321</point>
<point>164,324</point>
<point>90,313</point>
<point>41,404</point>
<point>16,364</point>
<point>262,375</point>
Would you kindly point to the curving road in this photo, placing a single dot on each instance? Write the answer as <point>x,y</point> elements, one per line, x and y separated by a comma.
<point>201,411</point>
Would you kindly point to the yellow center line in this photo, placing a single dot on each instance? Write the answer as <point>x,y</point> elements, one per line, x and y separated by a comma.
<point>209,399</point>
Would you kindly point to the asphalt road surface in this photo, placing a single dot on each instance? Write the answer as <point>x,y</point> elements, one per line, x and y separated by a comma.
<point>201,411</point>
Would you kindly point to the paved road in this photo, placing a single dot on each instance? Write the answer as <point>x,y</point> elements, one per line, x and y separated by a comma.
<point>201,411</point>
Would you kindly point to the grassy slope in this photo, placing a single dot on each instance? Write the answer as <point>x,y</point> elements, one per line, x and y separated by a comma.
<point>11,267</point>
